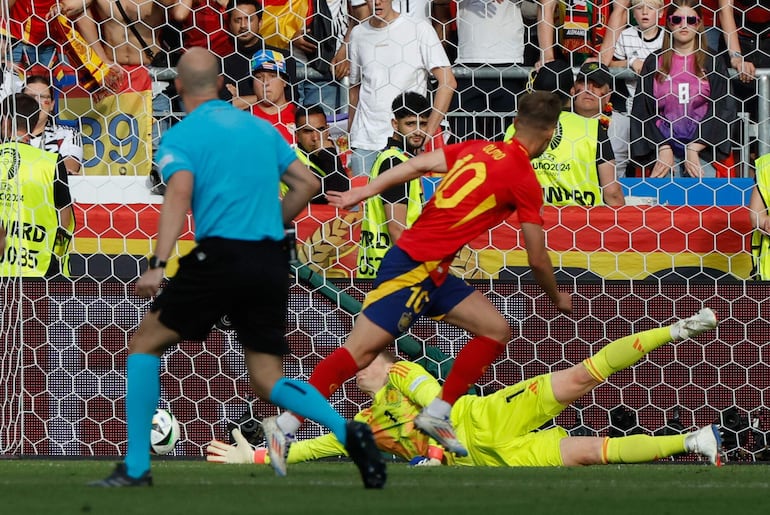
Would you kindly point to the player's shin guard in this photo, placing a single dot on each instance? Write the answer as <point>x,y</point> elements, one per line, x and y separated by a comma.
<point>621,354</point>
<point>471,363</point>
<point>332,371</point>
<point>641,448</point>
<point>142,394</point>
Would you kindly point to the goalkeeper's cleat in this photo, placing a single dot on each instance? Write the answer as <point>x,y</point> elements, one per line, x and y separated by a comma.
<point>707,442</point>
<point>277,445</point>
<point>699,323</point>
<point>364,452</point>
<point>120,478</point>
<point>441,430</point>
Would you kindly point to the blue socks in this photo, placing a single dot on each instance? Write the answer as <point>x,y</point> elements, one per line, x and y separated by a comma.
<point>304,400</point>
<point>143,392</point>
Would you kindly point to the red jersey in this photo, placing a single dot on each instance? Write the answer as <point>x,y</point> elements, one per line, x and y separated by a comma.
<point>29,21</point>
<point>487,182</point>
<point>205,27</point>
<point>283,120</point>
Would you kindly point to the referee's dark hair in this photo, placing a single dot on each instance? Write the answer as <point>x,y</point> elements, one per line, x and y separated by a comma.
<point>410,104</point>
<point>23,108</point>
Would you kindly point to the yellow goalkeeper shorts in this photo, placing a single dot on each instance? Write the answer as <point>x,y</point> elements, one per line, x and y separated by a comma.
<point>500,429</point>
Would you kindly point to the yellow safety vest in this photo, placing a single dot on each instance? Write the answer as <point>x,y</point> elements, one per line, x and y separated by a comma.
<point>305,160</point>
<point>567,170</point>
<point>375,237</point>
<point>27,176</point>
<point>760,242</point>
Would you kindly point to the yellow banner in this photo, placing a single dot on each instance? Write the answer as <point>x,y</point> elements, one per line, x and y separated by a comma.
<point>117,132</point>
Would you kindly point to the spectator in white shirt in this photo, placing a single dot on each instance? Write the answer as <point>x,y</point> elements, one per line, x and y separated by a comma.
<point>389,55</point>
<point>10,83</point>
<point>636,43</point>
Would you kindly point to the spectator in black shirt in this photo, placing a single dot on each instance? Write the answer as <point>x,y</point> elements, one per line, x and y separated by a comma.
<point>244,19</point>
<point>316,149</point>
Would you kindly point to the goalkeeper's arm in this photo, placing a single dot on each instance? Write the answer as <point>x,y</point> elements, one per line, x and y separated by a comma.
<point>242,452</point>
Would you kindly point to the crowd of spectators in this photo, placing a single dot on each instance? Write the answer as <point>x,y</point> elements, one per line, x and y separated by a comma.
<point>313,67</point>
<point>352,58</point>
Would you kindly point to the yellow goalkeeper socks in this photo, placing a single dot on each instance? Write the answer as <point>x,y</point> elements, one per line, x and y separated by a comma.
<point>623,353</point>
<point>641,448</point>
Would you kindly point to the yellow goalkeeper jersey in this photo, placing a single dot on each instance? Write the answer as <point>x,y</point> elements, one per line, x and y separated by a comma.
<point>498,430</point>
<point>391,417</point>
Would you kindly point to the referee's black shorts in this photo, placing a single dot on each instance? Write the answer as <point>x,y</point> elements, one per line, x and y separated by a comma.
<point>246,280</point>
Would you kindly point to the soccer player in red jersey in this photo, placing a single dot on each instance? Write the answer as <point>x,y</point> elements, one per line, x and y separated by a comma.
<point>485,183</point>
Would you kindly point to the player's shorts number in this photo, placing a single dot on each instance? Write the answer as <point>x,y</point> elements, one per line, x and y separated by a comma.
<point>417,299</point>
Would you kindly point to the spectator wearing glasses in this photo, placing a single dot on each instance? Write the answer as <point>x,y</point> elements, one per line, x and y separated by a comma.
<point>49,135</point>
<point>680,116</point>
<point>729,18</point>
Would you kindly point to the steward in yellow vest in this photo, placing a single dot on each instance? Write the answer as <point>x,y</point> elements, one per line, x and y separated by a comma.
<point>760,219</point>
<point>567,169</point>
<point>35,201</point>
<point>375,234</point>
<point>388,214</point>
<point>578,167</point>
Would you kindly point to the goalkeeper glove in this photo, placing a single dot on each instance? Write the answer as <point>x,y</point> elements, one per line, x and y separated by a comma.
<point>241,452</point>
<point>424,461</point>
<point>435,455</point>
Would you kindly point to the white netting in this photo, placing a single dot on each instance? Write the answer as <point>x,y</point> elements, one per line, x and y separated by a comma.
<point>62,359</point>
<point>71,384</point>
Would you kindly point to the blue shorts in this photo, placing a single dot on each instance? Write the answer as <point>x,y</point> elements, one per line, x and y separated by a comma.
<point>405,289</point>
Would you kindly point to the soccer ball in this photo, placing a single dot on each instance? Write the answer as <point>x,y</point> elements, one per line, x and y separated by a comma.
<point>164,433</point>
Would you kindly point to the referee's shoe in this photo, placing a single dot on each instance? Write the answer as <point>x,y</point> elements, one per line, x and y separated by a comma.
<point>120,478</point>
<point>365,454</point>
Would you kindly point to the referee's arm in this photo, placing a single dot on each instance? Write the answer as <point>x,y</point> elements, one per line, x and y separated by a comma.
<point>303,186</point>
<point>173,214</point>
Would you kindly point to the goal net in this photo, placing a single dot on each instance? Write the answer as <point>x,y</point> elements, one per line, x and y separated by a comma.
<point>63,341</point>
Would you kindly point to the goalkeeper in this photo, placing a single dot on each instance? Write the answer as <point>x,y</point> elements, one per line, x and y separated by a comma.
<point>501,429</point>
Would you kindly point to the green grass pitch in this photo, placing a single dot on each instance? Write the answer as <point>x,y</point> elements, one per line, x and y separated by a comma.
<point>196,487</point>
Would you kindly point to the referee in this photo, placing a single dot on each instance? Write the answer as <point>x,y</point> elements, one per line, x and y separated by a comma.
<point>225,165</point>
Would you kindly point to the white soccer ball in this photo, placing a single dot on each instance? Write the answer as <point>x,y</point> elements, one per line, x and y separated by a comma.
<point>164,433</point>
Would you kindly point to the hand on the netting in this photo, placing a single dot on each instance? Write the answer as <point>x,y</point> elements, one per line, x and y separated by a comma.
<point>149,283</point>
<point>424,461</point>
<point>221,452</point>
<point>72,9</point>
<point>664,163</point>
<point>299,41</point>
<point>746,69</point>
<point>692,163</point>
<point>564,303</point>
<point>345,199</point>
<point>341,65</point>
<point>764,224</point>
